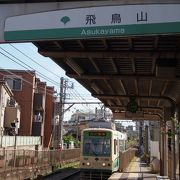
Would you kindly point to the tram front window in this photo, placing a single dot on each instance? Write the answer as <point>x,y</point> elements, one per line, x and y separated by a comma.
<point>97,146</point>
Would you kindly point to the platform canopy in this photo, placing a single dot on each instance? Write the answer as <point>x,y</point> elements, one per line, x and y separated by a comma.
<point>131,62</point>
<point>146,68</point>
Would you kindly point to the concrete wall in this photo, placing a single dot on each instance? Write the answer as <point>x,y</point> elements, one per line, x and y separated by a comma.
<point>154,149</point>
<point>11,113</point>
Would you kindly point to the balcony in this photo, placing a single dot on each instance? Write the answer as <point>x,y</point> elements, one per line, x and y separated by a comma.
<point>39,102</point>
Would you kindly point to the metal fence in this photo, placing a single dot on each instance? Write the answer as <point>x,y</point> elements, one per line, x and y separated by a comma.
<point>7,141</point>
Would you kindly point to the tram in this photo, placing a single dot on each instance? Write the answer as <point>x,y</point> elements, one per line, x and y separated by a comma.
<point>100,152</point>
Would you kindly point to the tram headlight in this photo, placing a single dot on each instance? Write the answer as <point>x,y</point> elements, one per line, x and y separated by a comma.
<point>103,164</point>
<point>88,164</point>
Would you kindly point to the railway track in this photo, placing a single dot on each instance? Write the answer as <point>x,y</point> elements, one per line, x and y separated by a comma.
<point>68,174</point>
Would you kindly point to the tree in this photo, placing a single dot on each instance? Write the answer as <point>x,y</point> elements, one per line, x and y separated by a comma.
<point>69,138</point>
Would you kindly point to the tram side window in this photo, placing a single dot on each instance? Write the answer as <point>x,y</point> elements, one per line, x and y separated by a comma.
<point>115,146</point>
<point>106,147</point>
<point>122,145</point>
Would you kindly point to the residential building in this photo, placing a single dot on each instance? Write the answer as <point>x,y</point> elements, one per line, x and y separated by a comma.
<point>22,84</point>
<point>49,109</point>
<point>6,105</point>
<point>36,101</point>
<point>79,116</point>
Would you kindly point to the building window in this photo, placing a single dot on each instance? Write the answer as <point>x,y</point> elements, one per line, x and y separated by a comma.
<point>14,83</point>
<point>115,146</point>
<point>37,118</point>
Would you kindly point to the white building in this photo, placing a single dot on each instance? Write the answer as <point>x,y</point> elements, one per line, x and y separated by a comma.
<point>5,96</point>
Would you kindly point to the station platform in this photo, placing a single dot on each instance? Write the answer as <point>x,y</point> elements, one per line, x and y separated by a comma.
<point>136,170</point>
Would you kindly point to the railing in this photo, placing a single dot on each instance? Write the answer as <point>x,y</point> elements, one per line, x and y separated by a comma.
<point>7,141</point>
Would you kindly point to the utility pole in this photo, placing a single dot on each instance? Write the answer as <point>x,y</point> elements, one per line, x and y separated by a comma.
<point>61,110</point>
<point>63,87</point>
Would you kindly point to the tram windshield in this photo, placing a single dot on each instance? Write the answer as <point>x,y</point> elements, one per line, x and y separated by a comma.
<point>97,145</point>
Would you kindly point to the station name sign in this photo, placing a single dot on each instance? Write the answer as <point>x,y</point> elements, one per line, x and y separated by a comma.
<point>92,22</point>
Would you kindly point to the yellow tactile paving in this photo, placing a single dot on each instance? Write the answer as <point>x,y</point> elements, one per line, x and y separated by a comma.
<point>134,171</point>
<point>133,175</point>
<point>115,176</point>
<point>134,165</point>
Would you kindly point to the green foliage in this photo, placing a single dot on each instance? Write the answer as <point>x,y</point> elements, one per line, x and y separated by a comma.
<point>69,138</point>
<point>77,143</point>
<point>130,142</point>
<point>176,128</point>
<point>145,158</point>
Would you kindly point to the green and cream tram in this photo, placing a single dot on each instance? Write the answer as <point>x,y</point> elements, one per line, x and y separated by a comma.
<point>100,151</point>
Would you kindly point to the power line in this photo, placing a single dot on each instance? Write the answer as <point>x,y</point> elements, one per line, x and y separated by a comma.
<point>80,100</point>
<point>76,95</point>
<point>33,60</point>
<point>40,74</point>
<point>39,65</point>
<point>15,75</point>
<point>25,64</point>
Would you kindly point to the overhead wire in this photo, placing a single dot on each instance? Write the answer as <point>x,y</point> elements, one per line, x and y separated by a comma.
<point>40,74</point>
<point>77,95</point>
<point>79,99</point>
<point>34,61</point>
<point>44,68</point>
<point>15,75</point>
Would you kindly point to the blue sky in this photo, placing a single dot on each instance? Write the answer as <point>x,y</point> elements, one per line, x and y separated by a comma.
<point>31,51</point>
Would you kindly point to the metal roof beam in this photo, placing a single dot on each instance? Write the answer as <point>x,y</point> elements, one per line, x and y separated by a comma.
<point>104,96</point>
<point>73,65</point>
<point>122,77</point>
<point>111,54</point>
<point>150,89</point>
<point>109,86</point>
<point>122,86</point>
<point>95,65</point>
<point>58,44</point>
<point>81,44</point>
<point>163,91</point>
<point>114,65</point>
<point>140,107</point>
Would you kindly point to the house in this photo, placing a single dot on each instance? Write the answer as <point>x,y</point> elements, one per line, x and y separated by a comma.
<point>36,101</point>
<point>9,109</point>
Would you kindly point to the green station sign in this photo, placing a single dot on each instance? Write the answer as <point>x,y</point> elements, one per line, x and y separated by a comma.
<point>92,22</point>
